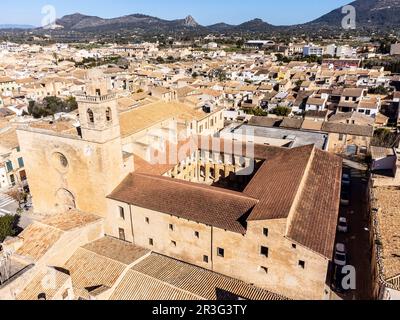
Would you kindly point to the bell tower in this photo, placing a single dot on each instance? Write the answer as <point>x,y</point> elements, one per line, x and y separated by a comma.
<point>98,112</point>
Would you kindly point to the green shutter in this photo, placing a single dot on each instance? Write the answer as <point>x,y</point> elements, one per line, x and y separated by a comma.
<point>21,162</point>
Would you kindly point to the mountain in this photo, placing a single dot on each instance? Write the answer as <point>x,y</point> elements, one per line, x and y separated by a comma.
<point>255,25</point>
<point>221,27</point>
<point>369,14</point>
<point>140,22</point>
<point>15,26</point>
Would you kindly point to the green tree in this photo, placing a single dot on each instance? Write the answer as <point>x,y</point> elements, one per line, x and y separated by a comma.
<point>7,227</point>
<point>282,111</point>
<point>384,137</point>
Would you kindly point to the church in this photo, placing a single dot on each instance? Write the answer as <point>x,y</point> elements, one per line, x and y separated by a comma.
<point>149,203</point>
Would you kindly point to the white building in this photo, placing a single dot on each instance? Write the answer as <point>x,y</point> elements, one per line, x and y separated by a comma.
<point>312,50</point>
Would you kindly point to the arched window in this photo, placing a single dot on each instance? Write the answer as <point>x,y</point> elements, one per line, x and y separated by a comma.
<point>108,115</point>
<point>90,116</point>
<point>66,199</point>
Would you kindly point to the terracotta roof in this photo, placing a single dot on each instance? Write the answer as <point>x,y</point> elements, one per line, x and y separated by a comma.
<point>143,117</point>
<point>314,220</point>
<point>265,121</point>
<point>71,220</point>
<point>309,124</point>
<point>291,123</point>
<point>204,204</point>
<point>351,129</point>
<point>9,139</point>
<point>159,277</point>
<point>116,250</point>
<point>356,116</point>
<point>352,92</point>
<point>38,286</point>
<point>381,153</point>
<point>37,240</point>
<point>90,270</point>
<point>388,217</point>
<point>277,183</point>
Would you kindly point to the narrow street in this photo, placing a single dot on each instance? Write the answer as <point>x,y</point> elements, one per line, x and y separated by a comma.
<point>357,240</point>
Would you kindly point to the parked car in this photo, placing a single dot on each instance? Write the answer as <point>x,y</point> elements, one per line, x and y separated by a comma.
<point>343,225</point>
<point>340,255</point>
<point>345,197</point>
<point>346,180</point>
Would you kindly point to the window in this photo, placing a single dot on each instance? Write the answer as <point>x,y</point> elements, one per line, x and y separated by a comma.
<point>12,179</point>
<point>121,234</point>
<point>90,116</point>
<point>264,251</point>
<point>197,234</point>
<point>341,137</point>
<point>265,232</point>
<point>9,166</point>
<point>122,213</point>
<point>173,243</point>
<point>302,264</point>
<point>294,246</point>
<point>151,242</point>
<point>171,227</point>
<point>147,220</point>
<point>21,162</point>
<point>205,259</point>
<point>221,252</point>
<point>263,269</point>
<point>108,115</point>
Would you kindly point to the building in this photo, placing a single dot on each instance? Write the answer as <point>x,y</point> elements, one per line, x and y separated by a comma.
<point>313,50</point>
<point>395,49</point>
<point>207,206</point>
<point>11,161</point>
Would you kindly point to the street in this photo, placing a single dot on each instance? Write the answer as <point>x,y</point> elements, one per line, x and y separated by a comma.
<point>357,240</point>
<point>7,205</point>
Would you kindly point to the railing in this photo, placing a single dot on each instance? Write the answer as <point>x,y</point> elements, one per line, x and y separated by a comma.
<point>86,98</point>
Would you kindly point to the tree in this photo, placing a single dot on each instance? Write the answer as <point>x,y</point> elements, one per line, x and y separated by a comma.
<point>384,137</point>
<point>282,111</point>
<point>7,227</point>
<point>51,105</point>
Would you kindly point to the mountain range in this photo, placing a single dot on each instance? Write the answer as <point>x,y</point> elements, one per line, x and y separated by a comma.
<point>370,14</point>
<point>16,26</point>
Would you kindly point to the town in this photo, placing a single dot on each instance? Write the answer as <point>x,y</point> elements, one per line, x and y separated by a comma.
<point>200,170</point>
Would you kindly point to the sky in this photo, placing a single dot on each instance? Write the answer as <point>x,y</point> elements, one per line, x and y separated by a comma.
<point>206,12</point>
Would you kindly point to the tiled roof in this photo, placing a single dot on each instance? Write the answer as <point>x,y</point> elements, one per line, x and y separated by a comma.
<point>277,183</point>
<point>38,285</point>
<point>90,270</point>
<point>116,250</point>
<point>291,123</point>
<point>314,220</point>
<point>143,117</point>
<point>71,220</point>
<point>37,239</point>
<point>204,204</point>
<point>160,277</point>
<point>351,129</point>
<point>265,121</point>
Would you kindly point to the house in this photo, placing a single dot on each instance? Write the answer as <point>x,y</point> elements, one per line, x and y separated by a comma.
<point>384,160</point>
<point>350,99</point>
<point>317,103</point>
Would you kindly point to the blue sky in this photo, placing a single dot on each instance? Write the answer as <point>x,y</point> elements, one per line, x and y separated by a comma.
<point>204,11</point>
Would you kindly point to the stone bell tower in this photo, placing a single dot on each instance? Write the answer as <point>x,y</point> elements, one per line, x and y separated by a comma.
<point>98,112</point>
